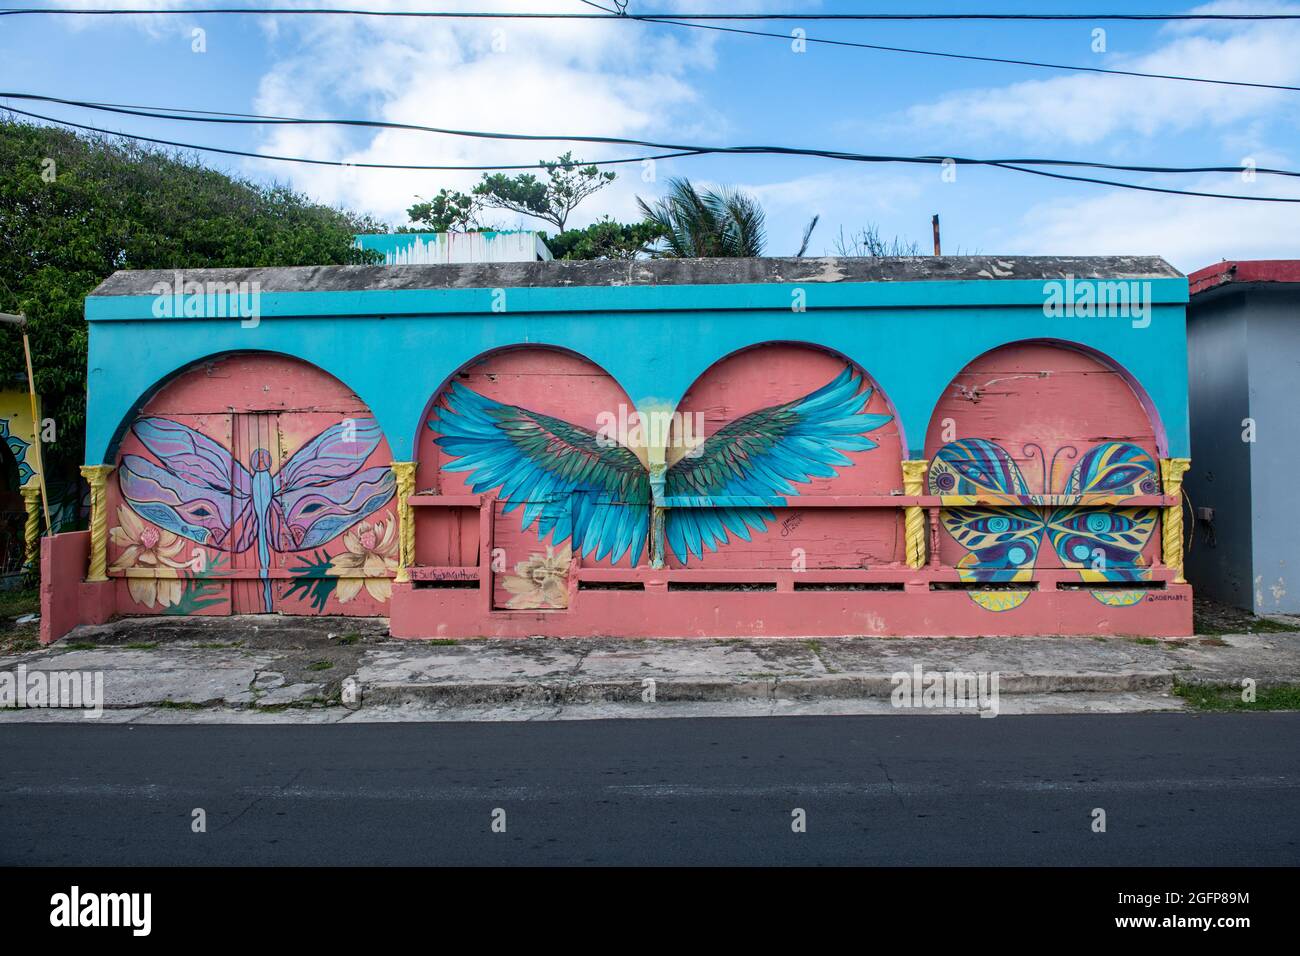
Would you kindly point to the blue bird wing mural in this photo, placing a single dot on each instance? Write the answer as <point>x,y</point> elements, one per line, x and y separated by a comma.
<point>764,454</point>
<point>570,482</point>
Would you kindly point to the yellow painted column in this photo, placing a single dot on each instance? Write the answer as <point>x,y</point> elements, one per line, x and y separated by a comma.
<point>404,472</point>
<point>97,477</point>
<point>32,531</point>
<point>914,518</point>
<point>1171,473</point>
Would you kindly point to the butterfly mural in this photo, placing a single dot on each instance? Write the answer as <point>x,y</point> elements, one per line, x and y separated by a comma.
<point>573,484</point>
<point>1103,543</point>
<point>199,491</point>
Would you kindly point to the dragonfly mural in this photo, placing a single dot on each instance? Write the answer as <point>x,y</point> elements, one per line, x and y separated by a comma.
<point>199,491</point>
<point>573,484</point>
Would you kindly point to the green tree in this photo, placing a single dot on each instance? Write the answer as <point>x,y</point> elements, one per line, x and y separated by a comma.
<point>727,223</point>
<point>604,239</point>
<point>567,184</point>
<point>449,211</point>
<point>74,210</point>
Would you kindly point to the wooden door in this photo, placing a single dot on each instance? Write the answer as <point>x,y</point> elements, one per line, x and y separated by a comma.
<point>255,445</point>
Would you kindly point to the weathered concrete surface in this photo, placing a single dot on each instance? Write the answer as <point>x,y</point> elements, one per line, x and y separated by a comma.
<point>211,661</point>
<point>1020,704</point>
<point>238,667</point>
<point>655,272</point>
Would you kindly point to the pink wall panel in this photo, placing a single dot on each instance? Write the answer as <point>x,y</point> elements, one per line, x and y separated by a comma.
<point>446,537</point>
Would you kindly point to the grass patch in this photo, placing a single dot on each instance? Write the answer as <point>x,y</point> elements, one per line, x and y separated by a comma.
<point>347,640</point>
<point>1252,625</point>
<point>178,705</point>
<point>19,644</point>
<point>1224,697</point>
<point>1146,641</point>
<point>141,646</point>
<point>18,638</point>
<point>320,665</point>
<point>1213,618</point>
<point>219,646</point>
<point>20,601</point>
<point>440,641</point>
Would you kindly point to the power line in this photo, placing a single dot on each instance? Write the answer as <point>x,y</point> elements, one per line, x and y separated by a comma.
<point>1016,165</point>
<point>504,15</point>
<point>225,117</point>
<point>331,162</point>
<point>1038,64</point>
<point>682,20</point>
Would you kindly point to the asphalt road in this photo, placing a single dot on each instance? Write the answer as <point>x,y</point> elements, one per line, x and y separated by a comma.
<point>1176,789</point>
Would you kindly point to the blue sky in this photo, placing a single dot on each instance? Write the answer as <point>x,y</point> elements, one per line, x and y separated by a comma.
<point>663,82</point>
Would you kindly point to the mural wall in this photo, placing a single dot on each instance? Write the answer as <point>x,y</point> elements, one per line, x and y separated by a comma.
<point>778,447</point>
<point>257,483</point>
<point>249,484</point>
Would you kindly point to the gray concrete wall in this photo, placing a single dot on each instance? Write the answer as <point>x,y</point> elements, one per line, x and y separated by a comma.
<point>1220,560</point>
<point>1273,355</point>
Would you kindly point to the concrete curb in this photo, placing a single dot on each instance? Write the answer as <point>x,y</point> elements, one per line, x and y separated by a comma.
<point>839,687</point>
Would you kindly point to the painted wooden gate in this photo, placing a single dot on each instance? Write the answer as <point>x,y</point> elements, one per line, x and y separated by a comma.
<point>280,501</point>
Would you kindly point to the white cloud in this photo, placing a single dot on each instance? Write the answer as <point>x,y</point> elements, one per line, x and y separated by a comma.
<point>1189,233</point>
<point>521,76</point>
<point>1086,108</point>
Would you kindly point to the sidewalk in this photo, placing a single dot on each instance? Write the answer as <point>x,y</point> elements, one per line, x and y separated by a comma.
<point>293,669</point>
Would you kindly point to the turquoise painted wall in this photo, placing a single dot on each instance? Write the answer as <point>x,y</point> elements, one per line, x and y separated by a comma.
<point>395,349</point>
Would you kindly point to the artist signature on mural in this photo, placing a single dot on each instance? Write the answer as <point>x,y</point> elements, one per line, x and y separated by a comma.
<point>450,574</point>
<point>790,523</point>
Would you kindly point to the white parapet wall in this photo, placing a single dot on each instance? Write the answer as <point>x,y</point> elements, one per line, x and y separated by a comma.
<point>445,248</point>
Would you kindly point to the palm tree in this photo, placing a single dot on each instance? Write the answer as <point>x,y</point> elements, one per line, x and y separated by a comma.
<point>726,223</point>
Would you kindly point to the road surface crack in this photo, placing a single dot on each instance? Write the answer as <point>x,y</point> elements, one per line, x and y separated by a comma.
<point>880,762</point>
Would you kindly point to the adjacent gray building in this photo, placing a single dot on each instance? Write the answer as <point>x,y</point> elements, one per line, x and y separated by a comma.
<point>1243,341</point>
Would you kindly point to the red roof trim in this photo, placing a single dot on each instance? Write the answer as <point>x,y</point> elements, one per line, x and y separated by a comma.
<point>1255,270</point>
